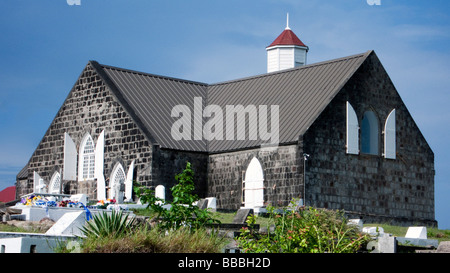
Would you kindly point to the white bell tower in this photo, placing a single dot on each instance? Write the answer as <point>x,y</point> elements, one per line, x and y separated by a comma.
<point>287,51</point>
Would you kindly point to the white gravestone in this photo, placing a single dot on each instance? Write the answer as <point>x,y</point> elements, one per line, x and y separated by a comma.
<point>160,192</point>
<point>82,198</point>
<point>416,232</point>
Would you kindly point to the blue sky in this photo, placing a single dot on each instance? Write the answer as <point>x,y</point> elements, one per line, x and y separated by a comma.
<point>44,45</point>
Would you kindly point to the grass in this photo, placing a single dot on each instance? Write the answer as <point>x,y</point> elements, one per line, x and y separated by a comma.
<point>145,240</point>
<point>399,231</point>
<point>32,228</point>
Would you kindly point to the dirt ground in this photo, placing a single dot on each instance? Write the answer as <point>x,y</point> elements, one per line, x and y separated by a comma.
<point>33,226</point>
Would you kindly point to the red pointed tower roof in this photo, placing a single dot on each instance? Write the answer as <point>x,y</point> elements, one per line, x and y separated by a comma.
<point>287,37</point>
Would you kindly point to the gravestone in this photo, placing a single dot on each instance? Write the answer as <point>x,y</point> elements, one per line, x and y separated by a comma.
<point>202,203</point>
<point>387,244</point>
<point>160,192</point>
<point>241,216</point>
<point>373,231</point>
<point>82,198</point>
<point>417,233</point>
<point>384,243</point>
<point>212,203</point>
<point>356,222</point>
<point>444,247</point>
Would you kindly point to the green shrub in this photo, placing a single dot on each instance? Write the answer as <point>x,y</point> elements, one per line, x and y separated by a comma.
<point>306,230</point>
<point>182,212</point>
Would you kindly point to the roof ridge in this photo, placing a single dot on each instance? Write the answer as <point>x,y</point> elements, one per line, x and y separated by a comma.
<point>151,75</point>
<point>295,68</point>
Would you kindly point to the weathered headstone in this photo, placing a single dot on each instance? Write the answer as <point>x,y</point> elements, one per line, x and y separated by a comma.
<point>387,244</point>
<point>212,203</point>
<point>373,231</point>
<point>444,247</point>
<point>202,203</point>
<point>160,192</point>
<point>416,232</point>
<point>356,222</point>
<point>241,216</point>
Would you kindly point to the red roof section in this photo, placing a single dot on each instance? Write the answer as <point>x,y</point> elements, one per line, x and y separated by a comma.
<point>287,37</point>
<point>8,194</point>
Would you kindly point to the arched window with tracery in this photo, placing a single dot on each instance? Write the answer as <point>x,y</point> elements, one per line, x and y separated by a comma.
<point>55,183</point>
<point>87,159</point>
<point>117,178</point>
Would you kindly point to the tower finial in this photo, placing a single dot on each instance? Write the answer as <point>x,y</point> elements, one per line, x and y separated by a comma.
<point>287,21</point>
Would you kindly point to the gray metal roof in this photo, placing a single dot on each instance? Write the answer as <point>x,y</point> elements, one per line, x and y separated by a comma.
<point>152,97</point>
<point>23,174</point>
<point>300,93</point>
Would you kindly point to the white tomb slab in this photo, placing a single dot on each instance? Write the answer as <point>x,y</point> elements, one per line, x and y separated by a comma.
<point>212,203</point>
<point>373,231</point>
<point>356,222</point>
<point>82,198</point>
<point>416,232</point>
<point>69,224</point>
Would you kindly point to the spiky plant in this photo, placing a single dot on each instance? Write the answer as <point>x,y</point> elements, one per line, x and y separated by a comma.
<point>114,224</point>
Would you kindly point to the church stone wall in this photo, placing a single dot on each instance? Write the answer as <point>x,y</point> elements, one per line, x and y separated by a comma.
<point>168,163</point>
<point>91,108</point>
<point>398,190</point>
<point>282,168</point>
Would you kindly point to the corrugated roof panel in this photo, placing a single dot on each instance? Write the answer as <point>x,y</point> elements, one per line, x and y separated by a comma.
<point>301,94</point>
<point>152,98</point>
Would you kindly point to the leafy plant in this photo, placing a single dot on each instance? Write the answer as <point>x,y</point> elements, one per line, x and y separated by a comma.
<point>113,224</point>
<point>305,230</point>
<point>182,211</point>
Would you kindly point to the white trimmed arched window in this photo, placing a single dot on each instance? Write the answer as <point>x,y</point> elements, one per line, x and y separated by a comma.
<point>117,177</point>
<point>55,183</point>
<point>87,159</point>
<point>254,185</point>
<point>370,133</point>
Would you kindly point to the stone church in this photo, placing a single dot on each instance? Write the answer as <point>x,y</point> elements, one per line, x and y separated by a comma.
<point>341,138</point>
